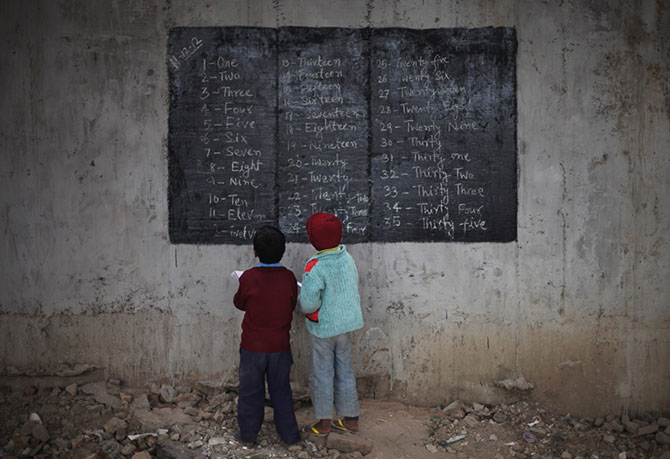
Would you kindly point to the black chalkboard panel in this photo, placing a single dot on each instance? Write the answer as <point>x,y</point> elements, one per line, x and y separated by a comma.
<point>443,135</point>
<point>406,135</point>
<point>222,133</point>
<point>323,129</point>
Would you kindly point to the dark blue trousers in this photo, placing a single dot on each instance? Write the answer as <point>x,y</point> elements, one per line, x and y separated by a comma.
<point>255,368</point>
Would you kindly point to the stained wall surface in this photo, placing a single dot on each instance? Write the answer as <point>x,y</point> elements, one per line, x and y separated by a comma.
<point>579,305</point>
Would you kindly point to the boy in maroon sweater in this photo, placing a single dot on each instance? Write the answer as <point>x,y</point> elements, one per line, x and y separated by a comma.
<point>267,294</point>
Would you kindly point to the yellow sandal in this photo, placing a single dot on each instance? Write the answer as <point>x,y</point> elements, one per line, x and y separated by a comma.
<point>339,425</point>
<point>312,430</point>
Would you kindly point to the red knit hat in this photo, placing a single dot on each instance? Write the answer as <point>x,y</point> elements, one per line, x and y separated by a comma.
<point>324,231</point>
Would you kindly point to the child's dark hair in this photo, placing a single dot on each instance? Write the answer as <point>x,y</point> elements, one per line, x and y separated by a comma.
<point>269,244</point>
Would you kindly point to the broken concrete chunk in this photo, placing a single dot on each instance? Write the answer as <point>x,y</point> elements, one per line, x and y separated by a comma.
<point>71,389</point>
<point>160,418</point>
<point>455,410</point>
<point>141,402</point>
<point>99,392</point>
<point>519,383</point>
<point>40,432</point>
<point>348,443</point>
<point>114,425</point>
<point>167,393</point>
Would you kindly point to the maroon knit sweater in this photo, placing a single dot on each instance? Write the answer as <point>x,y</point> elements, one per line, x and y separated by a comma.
<point>267,295</point>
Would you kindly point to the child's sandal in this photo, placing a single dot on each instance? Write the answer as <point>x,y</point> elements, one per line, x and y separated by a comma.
<point>339,425</point>
<point>312,430</point>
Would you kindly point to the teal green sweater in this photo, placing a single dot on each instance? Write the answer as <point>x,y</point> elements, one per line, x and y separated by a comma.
<point>330,282</point>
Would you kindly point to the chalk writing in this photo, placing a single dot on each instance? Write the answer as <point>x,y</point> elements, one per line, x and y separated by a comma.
<point>405,135</point>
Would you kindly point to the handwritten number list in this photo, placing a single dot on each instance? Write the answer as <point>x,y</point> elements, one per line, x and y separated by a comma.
<point>230,103</point>
<point>323,135</point>
<point>405,135</point>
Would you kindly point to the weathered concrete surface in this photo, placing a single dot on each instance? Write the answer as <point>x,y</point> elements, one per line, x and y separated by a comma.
<point>579,305</point>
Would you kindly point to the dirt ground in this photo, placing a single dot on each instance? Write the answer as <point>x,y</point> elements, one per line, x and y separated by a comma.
<point>104,419</point>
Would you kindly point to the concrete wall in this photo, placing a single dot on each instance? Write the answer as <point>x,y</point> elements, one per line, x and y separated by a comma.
<point>579,305</point>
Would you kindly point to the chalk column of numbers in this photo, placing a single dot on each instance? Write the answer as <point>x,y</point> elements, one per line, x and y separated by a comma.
<point>230,160</point>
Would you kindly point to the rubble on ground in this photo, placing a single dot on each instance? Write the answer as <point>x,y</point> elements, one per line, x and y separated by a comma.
<point>539,433</point>
<point>109,420</point>
<point>104,420</point>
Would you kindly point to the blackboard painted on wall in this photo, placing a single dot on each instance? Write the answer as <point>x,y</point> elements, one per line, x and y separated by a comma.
<point>405,135</point>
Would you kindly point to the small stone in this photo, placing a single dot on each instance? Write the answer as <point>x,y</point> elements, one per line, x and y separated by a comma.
<point>40,432</point>
<point>478,407</point>
<point>187,399</point>
<point>195,444</point>
<point>631,427</point>
<point>120,434</point>
<point>665,455</point>
<point>616,427</point>
<point>647,430</point>
<point>217,441</point>
<point>294,448</point>
<point>228,408</point>
<point>141,402</point>
<point>663,422</point>
<point>455,410</point>
<point>471,420</point>
<point>128,449</point>
<point>579,426</point>
<point>529,437</point>
<point>499,417</point>
<point>431,448</point>
<point>348,443</point>
<point>303,455</point>
<point>27,428</point>
<point>183,389</point>
<point>566,455</point>
<point>167,393</point>
<point>77,441</point>
<point>142,455</point>
<point>599,422</point>
<point>59,443</point>
<point>609,439</point>
<point>662,438</point>
<point>115,424</point>
<point>111,449</point>
<point>622,455</point>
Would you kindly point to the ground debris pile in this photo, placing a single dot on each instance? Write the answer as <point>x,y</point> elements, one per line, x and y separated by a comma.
<point>524,429</point>
<point>106,420</point>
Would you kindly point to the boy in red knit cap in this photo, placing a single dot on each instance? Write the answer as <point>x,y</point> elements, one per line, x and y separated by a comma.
<point>267,294</point>
<point>330,299</point>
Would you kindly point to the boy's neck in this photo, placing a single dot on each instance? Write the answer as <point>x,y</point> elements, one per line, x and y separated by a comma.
<point>268,265</point>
